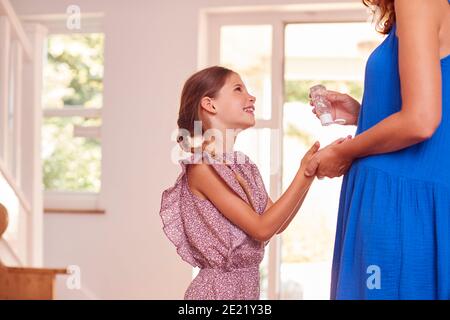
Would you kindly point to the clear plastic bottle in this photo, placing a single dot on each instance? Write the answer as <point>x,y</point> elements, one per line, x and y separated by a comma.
<point>321,104</point>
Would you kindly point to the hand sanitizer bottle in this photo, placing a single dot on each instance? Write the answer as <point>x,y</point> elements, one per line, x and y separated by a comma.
<point>321,104</point>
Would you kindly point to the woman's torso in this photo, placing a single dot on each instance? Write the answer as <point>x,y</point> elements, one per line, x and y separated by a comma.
<point>382,97</point>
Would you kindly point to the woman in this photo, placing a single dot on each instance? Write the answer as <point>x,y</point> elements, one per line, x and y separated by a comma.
<point>393,232</point>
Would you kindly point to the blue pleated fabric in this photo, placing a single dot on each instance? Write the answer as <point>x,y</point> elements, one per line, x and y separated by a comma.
<point>393,231</point>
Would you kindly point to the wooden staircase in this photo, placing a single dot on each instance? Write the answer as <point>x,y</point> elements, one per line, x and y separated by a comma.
<point>25,283</point>
<point>21,196</point>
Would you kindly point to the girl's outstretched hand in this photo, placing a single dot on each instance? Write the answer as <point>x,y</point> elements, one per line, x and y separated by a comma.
<point>309,154</point>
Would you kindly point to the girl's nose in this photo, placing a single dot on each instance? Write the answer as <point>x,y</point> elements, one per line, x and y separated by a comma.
<point>252,98</point>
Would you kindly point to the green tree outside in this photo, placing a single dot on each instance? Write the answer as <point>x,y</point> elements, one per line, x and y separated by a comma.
<point>73,76</point>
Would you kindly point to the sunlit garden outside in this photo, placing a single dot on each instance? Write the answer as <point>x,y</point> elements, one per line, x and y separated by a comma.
<point>73,79</point>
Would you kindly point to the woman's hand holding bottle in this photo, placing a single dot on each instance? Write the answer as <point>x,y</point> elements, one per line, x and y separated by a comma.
<point>343,107</point>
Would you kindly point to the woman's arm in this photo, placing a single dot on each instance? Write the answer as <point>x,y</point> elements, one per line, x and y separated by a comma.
<point>204,180</point>
<point>418,23</point>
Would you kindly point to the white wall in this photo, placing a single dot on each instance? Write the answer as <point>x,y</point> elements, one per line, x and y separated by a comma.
<point>151,48</point>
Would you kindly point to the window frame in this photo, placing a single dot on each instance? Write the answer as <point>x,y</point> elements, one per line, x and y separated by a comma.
<point>62,201</point>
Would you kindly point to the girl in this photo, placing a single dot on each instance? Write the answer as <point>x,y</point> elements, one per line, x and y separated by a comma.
<point>218,213</point>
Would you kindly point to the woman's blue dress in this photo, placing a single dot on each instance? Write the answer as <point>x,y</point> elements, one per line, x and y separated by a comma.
<point>393,230</point>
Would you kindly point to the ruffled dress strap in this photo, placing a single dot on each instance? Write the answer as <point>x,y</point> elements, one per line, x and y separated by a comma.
<point>174,202</point>
<point>170,212</point>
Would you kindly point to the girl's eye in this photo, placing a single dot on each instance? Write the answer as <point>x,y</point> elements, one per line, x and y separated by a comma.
<point>238,89</point>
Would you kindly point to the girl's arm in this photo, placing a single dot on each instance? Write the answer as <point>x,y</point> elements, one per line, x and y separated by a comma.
<point>418,23</point>
<point>204,180</point>
<point>270,203</point>
<point>293,214</point>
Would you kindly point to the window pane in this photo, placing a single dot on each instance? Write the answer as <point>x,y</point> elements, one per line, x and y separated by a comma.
<point>256,144</point>
<point>248,51</point>
<point>73,74</point>
<point>70,163</point>
<point>333,54</point>
<point>328,51</point>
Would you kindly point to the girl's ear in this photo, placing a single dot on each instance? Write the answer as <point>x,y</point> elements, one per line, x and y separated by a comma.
<point>208,105</point>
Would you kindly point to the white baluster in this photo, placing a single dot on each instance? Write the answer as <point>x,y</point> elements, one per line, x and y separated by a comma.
<point>5,41</point>
<point>16,149</point>
<point>31,140</point>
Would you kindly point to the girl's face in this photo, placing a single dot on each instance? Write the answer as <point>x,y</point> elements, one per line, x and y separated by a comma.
<point>235,106</point>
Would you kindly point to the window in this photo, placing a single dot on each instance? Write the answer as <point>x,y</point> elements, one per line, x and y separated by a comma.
<point>307,245</point>
<point>72,103</point>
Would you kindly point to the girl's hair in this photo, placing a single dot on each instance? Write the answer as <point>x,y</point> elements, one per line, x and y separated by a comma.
<point>384,11</point>
<point>204,83</point>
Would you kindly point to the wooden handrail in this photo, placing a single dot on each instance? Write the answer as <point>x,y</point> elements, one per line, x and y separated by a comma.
<point>3,220</point>
<point>3,225</point>
<point>7,10</point>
